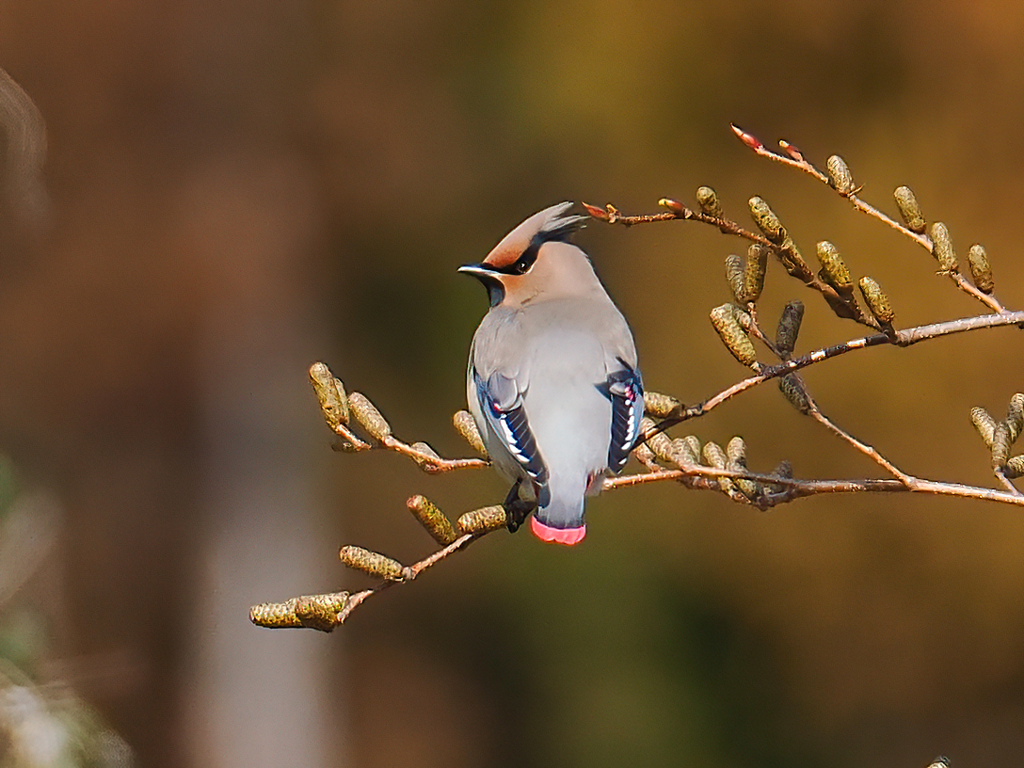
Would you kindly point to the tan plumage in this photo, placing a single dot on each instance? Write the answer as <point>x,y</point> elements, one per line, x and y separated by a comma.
<point>552,381</point>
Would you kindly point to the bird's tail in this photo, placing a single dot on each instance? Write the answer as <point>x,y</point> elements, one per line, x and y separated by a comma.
<point>567,536</point>
<point>560,520</point>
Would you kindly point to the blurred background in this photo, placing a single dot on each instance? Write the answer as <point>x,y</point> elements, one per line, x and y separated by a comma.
<point>237,188</point>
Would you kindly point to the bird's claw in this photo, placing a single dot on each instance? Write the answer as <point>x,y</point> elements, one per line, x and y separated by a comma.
<point>517,509</point>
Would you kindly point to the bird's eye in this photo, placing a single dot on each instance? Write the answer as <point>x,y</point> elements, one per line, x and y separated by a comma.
<point>523,264</point>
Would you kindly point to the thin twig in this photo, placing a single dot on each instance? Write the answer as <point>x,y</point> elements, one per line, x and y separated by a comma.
<point>802,488</point>
<point>799,162</point>
<point>642,478</point>
<point>412,572</point>
<point>301,612</point>
<point>1006,483</point>
<point>352,441</point>
<point>680,212</point>
<point>428,462</point>
<point>759,334</point>
<point>870,451</point>
<point>904,338</point>
<point>431,463</point>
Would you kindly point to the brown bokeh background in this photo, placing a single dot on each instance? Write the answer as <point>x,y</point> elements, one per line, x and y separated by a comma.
<point>239,188</point>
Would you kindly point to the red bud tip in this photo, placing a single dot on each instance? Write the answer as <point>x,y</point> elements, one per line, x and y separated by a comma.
<point>751,141</point>
<point>791,150</point>
<point>673,205</point>
<point>597,213</point>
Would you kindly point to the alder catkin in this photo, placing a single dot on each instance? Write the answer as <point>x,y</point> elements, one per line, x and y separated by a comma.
<point>660,443</point>
<point>1014,467</point>
<point>793,261</point>
<point>767,221</point>
<point>789,328</point>
<point>686,451</point>
<point>754,271</point>
<point>736,452</point>
<point>833,269</point>
<point>369,417</point>
<point>1015,416</point>
<point>275,615</point>
<point>465,425</point>
<point>839,175</point>
<point>984,423</point>
<point>661,406</point>
<point>877,301</point>
<point>784,469</point>
<point>734,275</point>
<point>320,611</point>
<point>330,393</point>
<point>910,211</point>
<point>733,336</point>
<point>483,520</point>
<point>432,519</point>
<point>981,272</point>
<point>373,563</point>
<point>942,247</point>
<point>707,198</point>
<point>715,457</point>
<point>425,463</point>
<point>1000,445</point>
<point>793,389</point>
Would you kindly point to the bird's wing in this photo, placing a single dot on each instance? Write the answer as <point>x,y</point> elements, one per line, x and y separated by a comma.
<point>625,389</point>
<point>501,402</point>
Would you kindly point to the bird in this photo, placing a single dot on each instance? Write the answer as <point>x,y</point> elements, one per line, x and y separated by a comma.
<point>553,382</point>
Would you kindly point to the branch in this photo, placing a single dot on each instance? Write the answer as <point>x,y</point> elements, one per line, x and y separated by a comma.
<point>782,246</point>
<point>340,408</point>
<point>840,179</point>
<point>803,488</point>
<point>727,474</point>
<point>685,460</point>
<point>326,612</point>
<point>903,338</point>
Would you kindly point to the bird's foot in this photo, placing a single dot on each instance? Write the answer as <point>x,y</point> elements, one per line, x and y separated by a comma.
<point>517,509</point>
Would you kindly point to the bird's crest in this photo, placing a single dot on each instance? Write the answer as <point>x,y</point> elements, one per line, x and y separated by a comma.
<point>550,225</point>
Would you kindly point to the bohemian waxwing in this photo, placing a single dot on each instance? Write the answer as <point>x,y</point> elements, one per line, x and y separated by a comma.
<point>553,382</point>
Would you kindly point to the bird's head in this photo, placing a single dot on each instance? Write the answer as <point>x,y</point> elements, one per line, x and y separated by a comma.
<point>537,261</point>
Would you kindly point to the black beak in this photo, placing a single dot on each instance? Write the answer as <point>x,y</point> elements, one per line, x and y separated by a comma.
<point>479,271</point>
<point>490,279</point>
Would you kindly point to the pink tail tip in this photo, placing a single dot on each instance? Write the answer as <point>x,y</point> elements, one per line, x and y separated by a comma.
<point>567,536</point>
